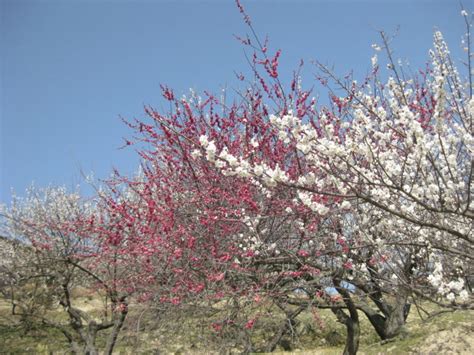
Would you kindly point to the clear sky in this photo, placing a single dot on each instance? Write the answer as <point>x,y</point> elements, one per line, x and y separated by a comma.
<point>69,68</point>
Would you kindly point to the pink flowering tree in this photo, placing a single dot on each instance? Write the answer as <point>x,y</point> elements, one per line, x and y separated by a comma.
<point>235,232</point>
<point>227,238</point>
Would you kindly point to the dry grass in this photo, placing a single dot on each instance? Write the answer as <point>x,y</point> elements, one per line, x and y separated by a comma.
<point>147,331</point>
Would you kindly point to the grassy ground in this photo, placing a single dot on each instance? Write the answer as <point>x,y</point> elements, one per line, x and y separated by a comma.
<point>448,333</point>
<point>14,339</point>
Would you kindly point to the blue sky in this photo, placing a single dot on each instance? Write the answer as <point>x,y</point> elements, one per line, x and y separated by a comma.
<point>69,68</point>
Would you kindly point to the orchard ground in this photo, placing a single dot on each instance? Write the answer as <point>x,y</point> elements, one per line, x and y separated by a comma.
<point>446,333</point>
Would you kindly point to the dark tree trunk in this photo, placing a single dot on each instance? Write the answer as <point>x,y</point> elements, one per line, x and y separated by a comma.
<point>118,324</point>
<point>393,314</point>
<point>396,319</point>
<point>392,322</point>
<point>351,321</point>
<point>88,331</point>
<point>353,335</point>
<point>352,329</point>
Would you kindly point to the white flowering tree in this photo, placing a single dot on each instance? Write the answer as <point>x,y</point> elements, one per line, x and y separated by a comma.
<point>56,251</point>
<point>404,149</point>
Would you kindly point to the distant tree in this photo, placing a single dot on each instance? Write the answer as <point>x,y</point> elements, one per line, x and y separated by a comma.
<point>57,251</point>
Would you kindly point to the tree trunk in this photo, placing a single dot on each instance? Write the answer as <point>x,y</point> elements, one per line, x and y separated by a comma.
<point>90,349</point>
<point>396,320</point>
<point>285,327</point>
<point>112,339</point>
<point>353,335</point>
<point>391,324</point>
<point>351,321</point>
<point>89,337</point>
<point>352,329</point>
